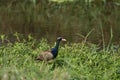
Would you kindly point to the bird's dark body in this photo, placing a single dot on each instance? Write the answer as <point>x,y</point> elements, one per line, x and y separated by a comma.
<point>49,55</point>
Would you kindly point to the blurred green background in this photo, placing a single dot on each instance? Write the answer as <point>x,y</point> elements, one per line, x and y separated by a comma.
<point>98,21</point>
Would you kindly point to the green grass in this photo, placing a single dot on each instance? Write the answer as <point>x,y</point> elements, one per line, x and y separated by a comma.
<point>74,62</point>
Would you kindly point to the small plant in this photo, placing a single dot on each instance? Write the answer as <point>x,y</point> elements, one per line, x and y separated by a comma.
<point>2,38</point>
<point>17,36</point>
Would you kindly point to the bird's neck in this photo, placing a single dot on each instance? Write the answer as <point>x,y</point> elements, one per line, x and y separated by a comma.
<point>57,45</point>
<point>55,49</point>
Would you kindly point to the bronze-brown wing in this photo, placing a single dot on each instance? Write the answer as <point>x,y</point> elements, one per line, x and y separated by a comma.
<point>45,56</point>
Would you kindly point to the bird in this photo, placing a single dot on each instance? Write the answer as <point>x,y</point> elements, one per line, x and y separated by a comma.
<point>51,54</point>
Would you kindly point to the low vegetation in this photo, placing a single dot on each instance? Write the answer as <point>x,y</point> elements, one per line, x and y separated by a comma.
<point>74,62</point>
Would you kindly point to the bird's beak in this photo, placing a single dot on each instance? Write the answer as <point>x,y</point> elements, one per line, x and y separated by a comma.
<point>64,40</point>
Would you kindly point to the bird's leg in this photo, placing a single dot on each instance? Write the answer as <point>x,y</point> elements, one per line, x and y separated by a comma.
<point>42,66</point>
<point>54,65</point>
<point>46,62</point>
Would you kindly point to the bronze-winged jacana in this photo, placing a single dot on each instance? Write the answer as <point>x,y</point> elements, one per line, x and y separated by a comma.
<point>52,54</point>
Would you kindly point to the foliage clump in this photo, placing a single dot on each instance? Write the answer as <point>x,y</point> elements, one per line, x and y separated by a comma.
<point>74,62</point>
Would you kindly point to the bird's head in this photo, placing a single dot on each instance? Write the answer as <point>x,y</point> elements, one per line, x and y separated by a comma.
<point>61,39</point>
